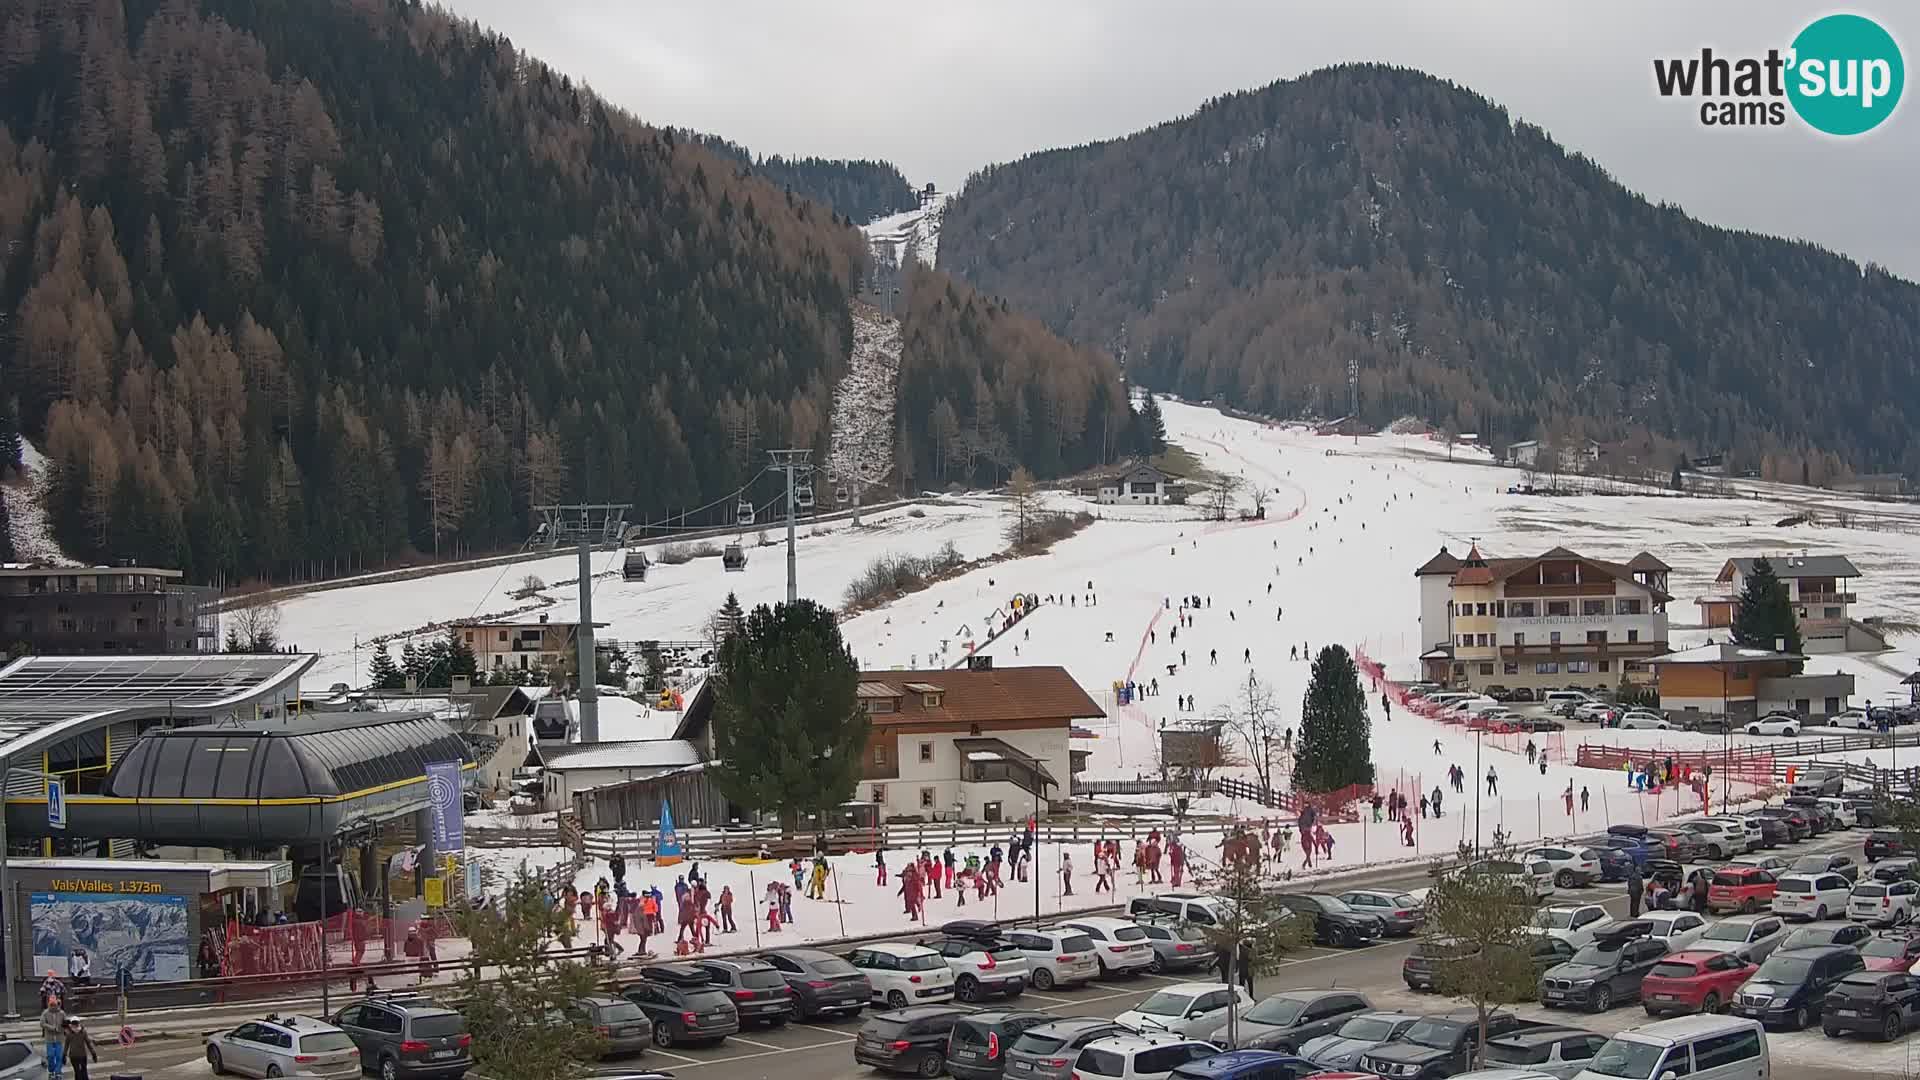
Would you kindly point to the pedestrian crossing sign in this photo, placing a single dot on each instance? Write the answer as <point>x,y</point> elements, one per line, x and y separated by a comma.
<point>56,804</point>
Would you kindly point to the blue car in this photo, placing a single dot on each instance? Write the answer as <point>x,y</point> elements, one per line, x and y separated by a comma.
<point>1632,847</point>
<point>1247,1065</point>
<point>1613,862</point>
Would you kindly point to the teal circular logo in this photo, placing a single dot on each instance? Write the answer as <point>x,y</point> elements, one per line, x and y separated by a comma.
<point>1846,76</point>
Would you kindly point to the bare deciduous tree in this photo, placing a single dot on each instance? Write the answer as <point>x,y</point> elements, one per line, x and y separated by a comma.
<point>1255,722</point>
<point>1220,500</point>
<point>254,627</point>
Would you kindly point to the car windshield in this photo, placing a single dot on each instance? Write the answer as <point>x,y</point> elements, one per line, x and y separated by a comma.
<point>1165,1003</point>
<point>1627,1059</point>
<point>922,962</point>
<point>1883,947</point>
<point>1276,1010</point>
<point>1595,956</point>
<point>1368,1028</point>
<point>1727,931</point>
<point>1783,969</point>
<point>325,1042</point>
<point>1553,919</point>
<point>1437,1034</point>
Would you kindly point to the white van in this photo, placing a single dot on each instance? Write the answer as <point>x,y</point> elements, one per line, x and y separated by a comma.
<point>1557,700</point>
<point>1443,701</point>
<point>1704,1047</point>
<point>1479,706</point>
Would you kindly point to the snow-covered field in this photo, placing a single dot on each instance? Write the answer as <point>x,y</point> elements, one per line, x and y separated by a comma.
<point>916,231</point>
<point>27,510</point>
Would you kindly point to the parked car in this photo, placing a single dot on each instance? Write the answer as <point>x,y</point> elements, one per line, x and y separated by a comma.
<point>1613,861</point>
<point>1828,864</point>
<point>1863,810</point>
<point>1745,825</point>
<point>1572,923</point>
<point>1191,1009</point>
<point>1593,712</point>
<point>1694,981</point>
<point>622,1026</point>
<point>1720,839</point>
<point>1891,950</point>
<point>902,974</point>
<point>1571,867</point>
<point>759,992</point>
<point>1824,817</point>
<point>1056,956</point>
<point>1811,896</point>
<point>1197,908</point>
<point>1772,864</point>
<point>984,964</point>
<point>1629,846</point>
<point>1120,947</point>
<point>1247,1065</point>
<point>1841,810</point>
<point>977,1048</point>
<point>1540,723</point>
<point>682,1005</point>
<point>1601,974</point>
<point>1751,936</point>
<point>1290,1018</point>
<point>1640,720</point>
<point>1791,987</point>
<point>1355,1037</point>
<point>1800,825</point>
<point>1436,1046</point>
<point>21,1060</point>
<point>1139,1057</point>
<point>1334,923</point>
<point>1882,1003</point>
<point>1819,782</point>
<point>1565,701</point>
<point>823,985</point>
<point>1775,724</point>
<point>1401,913</point>
<point>1046,1052</point>
<point>910,1040</point>
<point>1773,831</point>
<point>1852,718</point>
<point>1678,929</point>
<point>1850,934</point>
<point>1699,1047</point>
<point>407,1035</point>
<point>1883,903</point>
<point>1558,1052</point>
<point>1884,843</point>
<point>1741,888</point>
<point>1177,946</point>
<point>283,1046</point>
<point>1532,878</point>
<point>1681,845</point>
<point>1895,870</point>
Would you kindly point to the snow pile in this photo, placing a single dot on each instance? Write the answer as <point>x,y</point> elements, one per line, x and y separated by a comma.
<point>916,231</point>
<point>863,403</point>
<point>27,511</point>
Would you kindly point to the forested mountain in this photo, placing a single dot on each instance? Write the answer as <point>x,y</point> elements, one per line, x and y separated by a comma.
<point>1476,273</point>
<point>987,388</point>
<point>296,285</point>
<point>859,190</point>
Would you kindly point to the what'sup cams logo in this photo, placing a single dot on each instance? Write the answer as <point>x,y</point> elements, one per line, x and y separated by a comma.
<point>1841,76</point>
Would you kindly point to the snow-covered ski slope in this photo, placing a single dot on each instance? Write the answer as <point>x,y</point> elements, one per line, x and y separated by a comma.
<point>1347,525</point>
<point>864,401</point>
<point>916,231</point>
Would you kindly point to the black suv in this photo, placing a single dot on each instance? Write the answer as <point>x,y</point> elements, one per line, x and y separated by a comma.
<point>977,1049</point>
<point>1436,1046</point>
<point>909,1040</point>
<point>1602,974</point>
<point>823,984</point>
<point>1879,1003</point>
<point>1882,843</point>
<point>1334,922</point>
<point>1791,987</point>
<point>407,1035</point>
<point>683,1005</point>
<point>759,992</point>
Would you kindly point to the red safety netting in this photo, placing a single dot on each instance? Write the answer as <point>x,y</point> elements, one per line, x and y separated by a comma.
<point>351,939</point>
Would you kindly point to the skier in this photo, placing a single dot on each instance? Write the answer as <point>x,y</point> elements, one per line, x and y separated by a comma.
<point>1246,656</point>
<point>880,867</point>
<point>1213,656</point>
<point>1584,798</point>
<point>1423,805</point>
<point>1567,797</point>
<point>1436,803</point>
<point>1493,781</point>
<point>1066,872</point>
<point>1530,751</point>
<point>1176,860</point>
<point>1436,748</point>
<point>1292,653</point>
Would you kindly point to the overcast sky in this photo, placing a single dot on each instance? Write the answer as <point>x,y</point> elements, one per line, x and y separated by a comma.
<point>942,89</point>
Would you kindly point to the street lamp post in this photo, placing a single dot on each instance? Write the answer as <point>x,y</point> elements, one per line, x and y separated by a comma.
<point>1478,736</point>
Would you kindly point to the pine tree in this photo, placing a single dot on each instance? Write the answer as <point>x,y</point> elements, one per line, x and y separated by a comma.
<point>1335,733</point>
<point>460,658</point>
<point>413,665</point>
<point>11,445</point>
<point>789,735</point>
<point>732,618</point>
<point>1764,618</point>
<point>383,674</point>
<point>519,1019</point>
<point>1153,426</point>
<point>1678,482</point>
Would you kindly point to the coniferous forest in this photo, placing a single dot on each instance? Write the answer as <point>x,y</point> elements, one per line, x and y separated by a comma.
<point>857,190</point>
<point>1477,274</point>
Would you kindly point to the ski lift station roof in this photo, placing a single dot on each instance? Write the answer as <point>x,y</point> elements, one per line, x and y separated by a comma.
<point>48,699</point>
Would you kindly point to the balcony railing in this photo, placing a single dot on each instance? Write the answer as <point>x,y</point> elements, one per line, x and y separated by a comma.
<point>1583,648</point>
<point>1583,588</point>
<point>1826,598</point>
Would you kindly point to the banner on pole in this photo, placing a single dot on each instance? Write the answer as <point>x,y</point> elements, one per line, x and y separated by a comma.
<point>666,849</point>
<point>444,799</point>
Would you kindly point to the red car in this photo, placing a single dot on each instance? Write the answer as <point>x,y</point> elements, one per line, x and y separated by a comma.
<point>1891,952</point>
<point>1745,889</point>
<point>1691,982</point>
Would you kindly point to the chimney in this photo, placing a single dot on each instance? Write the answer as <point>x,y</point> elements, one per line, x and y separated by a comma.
<point>543,616</point>
<point>463,684</point>
<point>1779,644</point>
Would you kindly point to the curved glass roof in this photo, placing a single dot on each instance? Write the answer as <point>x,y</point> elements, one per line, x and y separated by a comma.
<point>293,762</point>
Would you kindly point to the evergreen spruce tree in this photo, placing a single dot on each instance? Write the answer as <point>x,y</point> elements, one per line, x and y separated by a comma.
<point>384,674</point>
<point>653,675</point>
<point>788,732</point>
<point>413,665</point>
<point>1763,618</point>
<point>731,616</point>
<point>1335,736</point>
<point>10,439</point>
<point>519,1019</point>
<point>1153,426</point>
<point>460,658</point>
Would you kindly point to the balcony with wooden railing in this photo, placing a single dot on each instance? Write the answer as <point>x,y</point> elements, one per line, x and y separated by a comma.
<point>1569,589</point>
<point>1583,649</point>
<point>1826,598</point>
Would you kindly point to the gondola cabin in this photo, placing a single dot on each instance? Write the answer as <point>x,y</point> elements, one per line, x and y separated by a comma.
<point>635,566</point>
<point>733,558</point>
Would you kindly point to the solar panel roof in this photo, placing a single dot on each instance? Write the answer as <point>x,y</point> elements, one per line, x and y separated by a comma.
<point>44,696</point>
